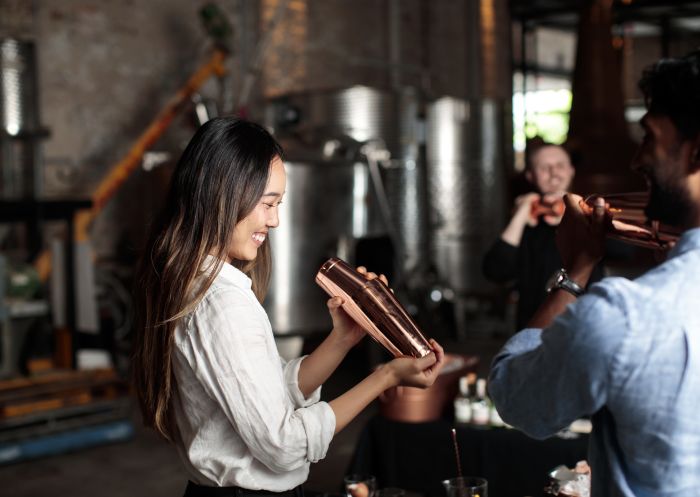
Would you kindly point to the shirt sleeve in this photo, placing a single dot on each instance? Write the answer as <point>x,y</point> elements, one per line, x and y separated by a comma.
<point>235,366</point>
<point>542,380</point>
<point>291,376</point>
<point>500,262</point>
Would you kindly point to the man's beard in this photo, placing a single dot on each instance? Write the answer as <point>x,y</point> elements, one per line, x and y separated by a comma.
<point>668,205</point>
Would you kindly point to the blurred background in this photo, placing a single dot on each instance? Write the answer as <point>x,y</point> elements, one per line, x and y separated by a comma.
<point>404,125</point>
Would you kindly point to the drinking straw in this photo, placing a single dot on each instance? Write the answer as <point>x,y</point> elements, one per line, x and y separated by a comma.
<point>454,443</point>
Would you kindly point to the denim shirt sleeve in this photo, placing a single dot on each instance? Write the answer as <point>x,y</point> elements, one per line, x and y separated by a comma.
<point>542,380</point>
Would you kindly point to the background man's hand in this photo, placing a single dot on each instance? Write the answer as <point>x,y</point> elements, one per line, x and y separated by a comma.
<point>523,208</point>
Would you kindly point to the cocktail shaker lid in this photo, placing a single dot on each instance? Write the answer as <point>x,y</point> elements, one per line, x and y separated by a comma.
<point>342,275</point>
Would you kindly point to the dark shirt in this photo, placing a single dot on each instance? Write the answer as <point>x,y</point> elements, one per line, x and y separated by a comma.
<point>528,266</point>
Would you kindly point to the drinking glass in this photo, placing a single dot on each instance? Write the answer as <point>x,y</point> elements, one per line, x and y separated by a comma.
<point>360,485</point>
<point>466,486</point>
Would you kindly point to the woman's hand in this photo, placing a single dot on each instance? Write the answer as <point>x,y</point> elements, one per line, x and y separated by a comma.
<point>343,325</point>
<point>421,373</point>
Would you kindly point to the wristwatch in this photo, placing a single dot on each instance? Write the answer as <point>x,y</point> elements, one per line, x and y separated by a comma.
<point>561,279</point>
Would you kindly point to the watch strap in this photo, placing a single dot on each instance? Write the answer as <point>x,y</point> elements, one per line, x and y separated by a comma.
<point>561,280</point>
<point>571,286</point>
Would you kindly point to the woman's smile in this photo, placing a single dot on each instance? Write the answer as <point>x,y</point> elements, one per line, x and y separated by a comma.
<point>259,237</point>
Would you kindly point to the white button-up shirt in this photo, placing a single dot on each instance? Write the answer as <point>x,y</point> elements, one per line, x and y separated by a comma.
<point>241,417</point>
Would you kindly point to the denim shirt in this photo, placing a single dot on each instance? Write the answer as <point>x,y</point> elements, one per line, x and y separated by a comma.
<point>627,354</point>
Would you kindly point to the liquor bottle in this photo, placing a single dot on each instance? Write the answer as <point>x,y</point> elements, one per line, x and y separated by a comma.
<point>495,418</point>
<point>630,223</point>
<point>462,403</point>
<point>481,409</point>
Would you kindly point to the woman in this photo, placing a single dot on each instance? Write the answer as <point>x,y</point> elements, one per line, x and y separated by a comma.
<point>206,369</point>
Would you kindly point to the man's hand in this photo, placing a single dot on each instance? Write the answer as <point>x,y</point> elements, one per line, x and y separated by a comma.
<point>552,199</point>
<point>581,234</point>
<point>523,208</point>
<point>522,216</point>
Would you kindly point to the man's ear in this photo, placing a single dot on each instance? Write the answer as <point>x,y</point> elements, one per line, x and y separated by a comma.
<point>528,175</point>
<point>695,154</point>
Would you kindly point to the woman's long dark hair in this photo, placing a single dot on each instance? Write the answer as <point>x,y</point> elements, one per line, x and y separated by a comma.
<point>219,179</point>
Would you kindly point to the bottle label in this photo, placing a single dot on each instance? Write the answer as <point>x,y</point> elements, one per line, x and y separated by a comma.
<point>463,411</point>
<point>480,414</point>
<point>496,418</point>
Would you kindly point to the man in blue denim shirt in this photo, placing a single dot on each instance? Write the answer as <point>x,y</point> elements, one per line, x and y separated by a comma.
<point>627,353</point>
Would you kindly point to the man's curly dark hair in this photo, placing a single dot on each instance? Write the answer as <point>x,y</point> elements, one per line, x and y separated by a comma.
<point>671,87</point>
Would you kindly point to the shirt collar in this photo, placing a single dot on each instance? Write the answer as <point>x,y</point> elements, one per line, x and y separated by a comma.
<point>689,240</point>
<point>228,271</point>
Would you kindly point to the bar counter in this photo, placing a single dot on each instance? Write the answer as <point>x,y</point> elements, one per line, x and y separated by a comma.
<point>419,456</point>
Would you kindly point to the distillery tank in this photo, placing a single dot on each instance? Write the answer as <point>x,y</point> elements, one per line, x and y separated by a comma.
<point>469,147</point>
<point>327,205</point>
<point>466,177</point>
<point>354,173</point>
<point>20,130</point>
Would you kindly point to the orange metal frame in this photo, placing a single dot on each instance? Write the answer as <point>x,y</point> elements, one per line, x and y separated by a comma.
<point>121,171</point>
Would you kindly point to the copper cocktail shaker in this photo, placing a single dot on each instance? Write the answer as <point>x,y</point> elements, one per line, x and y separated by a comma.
<point>373,306</point>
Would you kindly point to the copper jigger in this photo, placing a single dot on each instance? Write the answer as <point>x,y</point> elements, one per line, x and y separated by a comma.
<point>373,306</point>
<point>630,223</point>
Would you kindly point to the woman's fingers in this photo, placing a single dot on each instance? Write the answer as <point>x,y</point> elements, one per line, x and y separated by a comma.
<point>371,275</point>
<point>426,364</point>
<point>439,352</point>
<point>334,302</point>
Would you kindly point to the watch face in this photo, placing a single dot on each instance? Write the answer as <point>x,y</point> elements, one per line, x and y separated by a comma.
<point>560,279</point>
<point>556,279</point>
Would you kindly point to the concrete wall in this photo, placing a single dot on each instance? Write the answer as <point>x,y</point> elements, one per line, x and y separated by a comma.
<point>106,67</point>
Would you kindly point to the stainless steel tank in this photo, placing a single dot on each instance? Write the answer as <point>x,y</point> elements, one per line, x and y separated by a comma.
<point>469,153</point>
<point>466,171</point>
<point>327,205</point>
<point>332,201</point>
<point>18,87</point>
<point>405,179</point>
<point>20,131</point>
<point>359,112</point>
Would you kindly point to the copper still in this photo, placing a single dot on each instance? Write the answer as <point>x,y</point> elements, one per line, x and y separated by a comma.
<point>420,405</point>
<point>598,137</point>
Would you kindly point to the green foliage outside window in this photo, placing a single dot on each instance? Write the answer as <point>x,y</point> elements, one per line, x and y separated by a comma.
<point>542,113</point>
